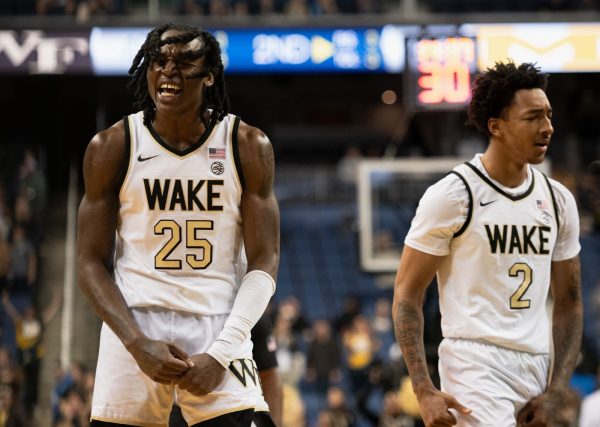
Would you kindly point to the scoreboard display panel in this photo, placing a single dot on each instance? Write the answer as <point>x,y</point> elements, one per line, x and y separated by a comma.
<point>439,72</point>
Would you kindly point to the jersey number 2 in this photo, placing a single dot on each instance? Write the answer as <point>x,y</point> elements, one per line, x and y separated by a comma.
<point>162,261</point>
<point>516,299</point>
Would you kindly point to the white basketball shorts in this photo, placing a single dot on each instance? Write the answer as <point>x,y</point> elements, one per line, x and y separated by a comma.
<point>494,382</point>
<point>124,394</point>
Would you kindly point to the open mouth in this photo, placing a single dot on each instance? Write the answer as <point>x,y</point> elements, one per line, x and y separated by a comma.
<point>542,147</point>
<point>169,89</point>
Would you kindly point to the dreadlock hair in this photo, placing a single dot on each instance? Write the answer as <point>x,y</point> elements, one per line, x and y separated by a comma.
<point>215,97</point>
<point>495,90</point>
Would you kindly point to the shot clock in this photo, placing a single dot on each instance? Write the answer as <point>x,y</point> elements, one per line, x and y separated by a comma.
<point>439,72</point>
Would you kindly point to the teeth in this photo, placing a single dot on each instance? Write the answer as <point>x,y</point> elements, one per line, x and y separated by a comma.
<point>169,86</point>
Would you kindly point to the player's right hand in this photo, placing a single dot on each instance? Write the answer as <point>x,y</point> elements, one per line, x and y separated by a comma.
<point>162,361</point>
<point>434,406</point>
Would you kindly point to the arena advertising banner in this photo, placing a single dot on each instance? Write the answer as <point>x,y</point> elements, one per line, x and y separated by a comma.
<point>44,52</point>
<point>568,47</point>
<point>555,47</point>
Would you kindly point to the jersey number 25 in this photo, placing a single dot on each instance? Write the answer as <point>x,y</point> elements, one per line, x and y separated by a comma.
<point>196,260</point>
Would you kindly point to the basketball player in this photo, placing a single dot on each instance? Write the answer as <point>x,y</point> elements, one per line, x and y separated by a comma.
<point>264,354</point>
<point>180,188</point>
<point>500,236</point>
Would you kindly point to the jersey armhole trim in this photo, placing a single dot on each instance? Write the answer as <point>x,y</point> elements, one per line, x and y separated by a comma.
<point>554,204</point>
<point>125,166</point>
<point>470,211</point>
<point>236,152</point>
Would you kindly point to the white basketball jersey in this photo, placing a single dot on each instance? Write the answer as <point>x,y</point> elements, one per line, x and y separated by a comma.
<point>179,237</point>
<point>495,282</point>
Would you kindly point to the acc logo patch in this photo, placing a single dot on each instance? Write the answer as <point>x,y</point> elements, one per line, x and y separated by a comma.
<point>217,168</point>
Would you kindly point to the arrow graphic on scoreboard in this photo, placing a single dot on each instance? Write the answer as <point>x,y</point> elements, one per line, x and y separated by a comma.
<point>321,49</point>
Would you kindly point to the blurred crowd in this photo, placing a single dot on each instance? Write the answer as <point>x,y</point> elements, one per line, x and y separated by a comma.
<point>84,9</point>
<point>23,195</point>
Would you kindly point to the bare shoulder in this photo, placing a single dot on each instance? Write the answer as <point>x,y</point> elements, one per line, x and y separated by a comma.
<point>257,158</point>
<point>252,139</point>
<point>105,156</point>
<point>109,142</point>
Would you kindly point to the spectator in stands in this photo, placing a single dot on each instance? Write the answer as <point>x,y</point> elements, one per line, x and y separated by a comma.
<point>5,219</point>
<point>23,263</point>
<point>588,190</point>
<point>324,7</point>
<point>337,413</point>
<point>297,8</point>
<point>291,309</point>
<point>393,413</point>
<point>22,212</point>
<point>5,252</point>
<point>72,394</point>
<point>350,310</point>
<point>62,382</point>
<point>291,360</point>
<point>33,187</point>
<point>89,8</point>
<point>10,372</point>
<point>293,413</point>
<point>324,358</point>
<point>72,412</point>
<point>399,407</point>
<point>382,326</point>
<point>28,334</point>
<point>11,411</point>
<point>55,7</point>
<point>360,347</point>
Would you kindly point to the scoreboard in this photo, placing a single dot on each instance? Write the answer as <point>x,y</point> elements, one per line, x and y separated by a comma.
<point>439,72</point>
<point>435,64</point>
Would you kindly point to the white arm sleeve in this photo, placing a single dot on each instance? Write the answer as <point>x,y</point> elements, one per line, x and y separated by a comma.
<point>442,211</point>
<point>252,298</point>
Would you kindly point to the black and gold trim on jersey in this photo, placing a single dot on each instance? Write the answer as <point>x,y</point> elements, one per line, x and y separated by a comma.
<point>125,164</point>
<point>554,204</point>
<point>236,151</point>
<point>470,211</point>
<point>191,148</point>
<point>499,190</point>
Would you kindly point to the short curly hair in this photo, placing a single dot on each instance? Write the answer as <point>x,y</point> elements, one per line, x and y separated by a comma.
<point>494,90</point>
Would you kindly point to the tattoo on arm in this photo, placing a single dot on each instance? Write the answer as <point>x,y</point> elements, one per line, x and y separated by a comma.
<point>408,324</point>
<point>267,160</point>
<point>567,327</point>
<point>575,280</point>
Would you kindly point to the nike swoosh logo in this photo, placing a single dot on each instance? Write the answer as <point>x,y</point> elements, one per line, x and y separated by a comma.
<point>143,159</point>
<point>487,203</point>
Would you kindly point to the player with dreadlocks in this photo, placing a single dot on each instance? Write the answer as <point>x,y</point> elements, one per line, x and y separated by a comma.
<point>183,192</point>
<point>215,96</point>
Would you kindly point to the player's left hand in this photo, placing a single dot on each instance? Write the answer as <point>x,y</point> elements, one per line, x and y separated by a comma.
<point>547,410</point>
<point>203,377</point>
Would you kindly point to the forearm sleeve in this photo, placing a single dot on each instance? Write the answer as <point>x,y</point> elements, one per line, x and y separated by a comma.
<point>254,294</point>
